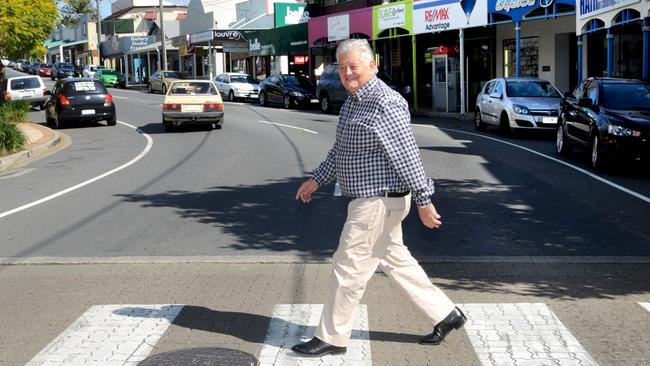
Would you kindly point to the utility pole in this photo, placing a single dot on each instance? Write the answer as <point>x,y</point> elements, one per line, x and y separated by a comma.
<point>163,65</point>
<point>99,35</point>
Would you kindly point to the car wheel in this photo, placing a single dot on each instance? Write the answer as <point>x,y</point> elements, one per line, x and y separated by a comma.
<point>504,124</point>
<point>168,127</point>
<point>325,105</point>
<point>231,96</point>
<point>41,107</point>
<point>150,88</point>
<point>286,101</point>
<point>48,119</point>
<point>562,144</point>
<point>112,121</point>
<point>58,123</point>
<point>164,89</point>
<point>478,121</point>
<point>263,100</point>
<point>598,156</point>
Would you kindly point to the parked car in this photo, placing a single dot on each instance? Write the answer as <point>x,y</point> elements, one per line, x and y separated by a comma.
<point>89,71</point>
<point>517,103</point>
<point>609,117</point>
<point>162,80</point>
<point>24,65</point>
<point>32,69</point>
<point>28,88</point>
<point>237,86</point>
<point>108,76</point>
<point>61,70</point>
<point>289,90</point>
<point>77,100</point>
<point>192,102</point>
<point>44,70</point>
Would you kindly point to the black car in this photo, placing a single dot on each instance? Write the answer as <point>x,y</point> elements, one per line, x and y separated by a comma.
<point>62,70</point>
<point>609,117</point>
<point>289,90</point>
<point>77,100</point>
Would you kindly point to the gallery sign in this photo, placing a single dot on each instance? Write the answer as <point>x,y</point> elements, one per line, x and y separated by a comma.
<point>442,15</point>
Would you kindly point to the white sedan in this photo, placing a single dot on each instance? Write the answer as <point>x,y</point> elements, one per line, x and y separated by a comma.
<point>237,86</point>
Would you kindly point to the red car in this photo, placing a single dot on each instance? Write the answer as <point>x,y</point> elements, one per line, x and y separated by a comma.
<point>44,70</point>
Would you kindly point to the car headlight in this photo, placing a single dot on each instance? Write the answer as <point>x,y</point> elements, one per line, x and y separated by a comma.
<point>520,109</point>
<point>297,94</point>
<point>622,131</point>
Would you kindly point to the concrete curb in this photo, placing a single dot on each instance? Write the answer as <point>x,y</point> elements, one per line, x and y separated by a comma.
<point>37,150</point>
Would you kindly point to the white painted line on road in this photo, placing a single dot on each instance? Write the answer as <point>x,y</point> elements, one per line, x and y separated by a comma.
<point>120,97</point>
<point>645,305</point>
<point>594,176</point>
<point>294,323</point>
<point>522,334</point>
<point>289,126</point>
<point>109,335</point>
<point>89,181</point>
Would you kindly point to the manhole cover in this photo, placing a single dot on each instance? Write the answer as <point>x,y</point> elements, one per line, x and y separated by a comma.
<point>202,357</point>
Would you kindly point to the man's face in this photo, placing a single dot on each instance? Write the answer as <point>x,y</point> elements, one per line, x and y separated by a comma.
<point>354,71</point>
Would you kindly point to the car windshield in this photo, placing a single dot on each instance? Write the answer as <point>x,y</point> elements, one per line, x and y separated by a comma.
<point>628,96</point>
<point>243,79</point>
<point>531,88</point>
<point>297,81</point>
<point>26,83</point>
<point>192,88</point>
<point>176,75</point>
<point>84,87</point>
<point>109,72</point>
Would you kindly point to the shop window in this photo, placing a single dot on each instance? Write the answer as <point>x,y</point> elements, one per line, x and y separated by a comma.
<point>529,59</point>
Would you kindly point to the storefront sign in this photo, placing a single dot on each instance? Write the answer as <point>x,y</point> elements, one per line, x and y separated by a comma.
<point>290,13</point>
<point>338,28</point>
<point>229,35</point>
<point>441,15</point>
<point>589,8</point>
<point>391,16</point>
<point>517,9</point>
<point>300,60</point>
<point>202,37</point>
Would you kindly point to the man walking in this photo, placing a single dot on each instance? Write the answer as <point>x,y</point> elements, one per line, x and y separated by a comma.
<point>377,163</point>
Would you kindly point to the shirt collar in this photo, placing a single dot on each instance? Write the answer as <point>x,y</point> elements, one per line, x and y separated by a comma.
<point>364,91</point>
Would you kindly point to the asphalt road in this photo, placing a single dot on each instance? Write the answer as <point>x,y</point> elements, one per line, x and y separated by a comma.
<point>230,192</point>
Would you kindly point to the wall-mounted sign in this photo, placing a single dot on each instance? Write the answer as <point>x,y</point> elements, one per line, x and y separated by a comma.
<point>338,27</point>
<point>202,37</point>
<point>391,16</point>
<point>441,15</point>
<point>587,8</point>
<point>300,60</point>
<point>518,9</point>
<point>290,13</point>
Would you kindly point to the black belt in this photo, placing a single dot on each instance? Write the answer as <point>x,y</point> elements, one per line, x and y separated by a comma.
<point>395,194</point>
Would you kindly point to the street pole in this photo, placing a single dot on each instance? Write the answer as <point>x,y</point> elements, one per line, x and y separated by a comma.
<point>162,38</point>
<point>99,35</point>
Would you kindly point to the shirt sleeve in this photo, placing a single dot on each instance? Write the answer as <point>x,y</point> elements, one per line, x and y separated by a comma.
<point>396,136</point>
<point>326,171</point>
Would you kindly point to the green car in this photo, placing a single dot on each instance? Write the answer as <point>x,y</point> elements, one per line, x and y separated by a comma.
<point>110,77</point>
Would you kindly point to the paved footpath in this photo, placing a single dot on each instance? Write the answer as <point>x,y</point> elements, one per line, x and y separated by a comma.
<point>186,313</point>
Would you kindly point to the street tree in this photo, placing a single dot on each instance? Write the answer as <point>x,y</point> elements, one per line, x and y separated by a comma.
<point>73,10</point>
<point>24,25</point>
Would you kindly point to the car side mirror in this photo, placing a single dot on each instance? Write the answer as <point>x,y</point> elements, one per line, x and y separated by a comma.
<point>586,103</point>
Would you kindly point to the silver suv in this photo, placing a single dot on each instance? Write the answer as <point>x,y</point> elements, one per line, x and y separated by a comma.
<point>518,103</point>
<point>329,90</point>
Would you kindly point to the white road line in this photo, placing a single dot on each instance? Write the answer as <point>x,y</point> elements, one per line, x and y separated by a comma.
<point>645,305</point>
<point>120,97</point>
<point>89,181</point>
<point>109,335</point>
<point>293,323</point>
<point>522,333</point>
<point>289,126</point>
<point>594,176</point>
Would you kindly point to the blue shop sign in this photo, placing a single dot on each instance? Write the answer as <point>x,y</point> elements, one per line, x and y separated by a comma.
<point>517,9</point>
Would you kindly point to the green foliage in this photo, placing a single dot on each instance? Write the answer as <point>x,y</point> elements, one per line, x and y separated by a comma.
<point>24,25</point>
<point>14,112</point>
<point>73,10</point>
<point>11,138</point>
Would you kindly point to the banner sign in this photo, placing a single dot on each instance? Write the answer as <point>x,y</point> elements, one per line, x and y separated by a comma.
<point>589,8</point>
<point>338,28</point>
<point>517,9</point>
<point>442,15</point>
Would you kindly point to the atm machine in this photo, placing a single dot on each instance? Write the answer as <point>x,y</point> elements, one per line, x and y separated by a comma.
<point>446,79</point>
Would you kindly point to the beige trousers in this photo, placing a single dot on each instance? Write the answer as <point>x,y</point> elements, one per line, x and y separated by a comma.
<point>372,237</point>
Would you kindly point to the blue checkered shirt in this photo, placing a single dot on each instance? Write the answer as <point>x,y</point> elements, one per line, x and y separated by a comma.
<point>375,150</point>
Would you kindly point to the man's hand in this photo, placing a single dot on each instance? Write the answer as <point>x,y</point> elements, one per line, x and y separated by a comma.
<point>306,189</point>
<point>429,216</point>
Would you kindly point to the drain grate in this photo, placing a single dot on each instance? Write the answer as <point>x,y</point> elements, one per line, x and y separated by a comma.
<point>201,357</point>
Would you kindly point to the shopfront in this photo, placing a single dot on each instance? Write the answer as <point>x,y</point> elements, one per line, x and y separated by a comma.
<point>536,38</point>
<point>120,53</point>
<point>280,50</point>
<point>613,38</point>
<point>326,32</point>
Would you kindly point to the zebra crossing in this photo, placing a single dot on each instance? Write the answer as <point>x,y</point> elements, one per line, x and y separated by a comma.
<point>517,334</point>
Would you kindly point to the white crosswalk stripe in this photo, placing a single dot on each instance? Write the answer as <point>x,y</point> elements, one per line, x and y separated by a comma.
<point>522,334</point>
<point>645,305</point>
<point>109,335</point>
<point>293,323</point>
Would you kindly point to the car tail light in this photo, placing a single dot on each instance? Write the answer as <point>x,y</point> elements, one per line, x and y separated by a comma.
<point>108,99</point>
<point>171,107</point>
<point>7,97</point>
<point>64,100</point>
<point>213,107</point>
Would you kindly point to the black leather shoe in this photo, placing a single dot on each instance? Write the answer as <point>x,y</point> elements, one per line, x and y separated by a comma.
<point>315,347</point>
<point>454,320</point>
